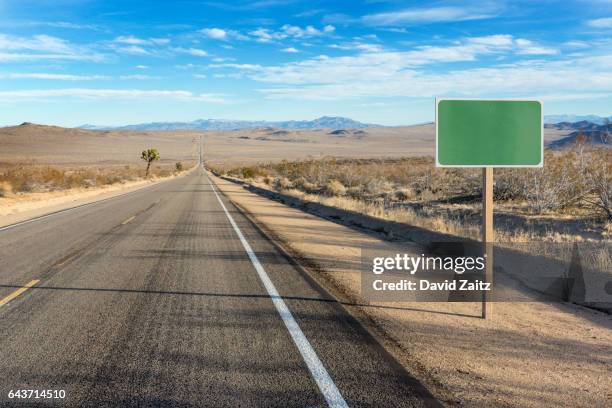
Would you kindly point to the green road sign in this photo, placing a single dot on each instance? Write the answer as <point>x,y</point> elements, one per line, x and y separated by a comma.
<point>489,133</point>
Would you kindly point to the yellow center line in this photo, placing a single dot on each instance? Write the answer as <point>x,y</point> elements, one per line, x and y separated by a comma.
<point>18,292</point>
<point>128,220</point>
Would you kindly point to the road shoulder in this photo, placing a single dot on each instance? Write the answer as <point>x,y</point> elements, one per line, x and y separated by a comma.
<point>16,210</point>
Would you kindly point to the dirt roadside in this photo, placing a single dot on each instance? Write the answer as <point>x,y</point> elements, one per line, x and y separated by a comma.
<point>529,355</point>
<point>18,208</point>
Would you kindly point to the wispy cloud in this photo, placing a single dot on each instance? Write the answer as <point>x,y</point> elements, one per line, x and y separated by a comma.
<point>139,77</point>
<point>290,50</point>
<point>63,24</point>
<point>414,16</point>
<point>133,50</point>
<point>527,47</point>
<point>131,40</point>
<point>196,52</point>
<point>42,47</point>
<point>216,33</point>
<point>55,77</point>
<point>600,22</point>
<point>222,34</point>
<point>86,93</point>
<point>393,73</point>
<point>357,46</point>
<point>290,31</point>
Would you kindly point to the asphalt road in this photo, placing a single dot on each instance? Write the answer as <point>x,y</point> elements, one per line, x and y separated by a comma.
<point>152,299</point>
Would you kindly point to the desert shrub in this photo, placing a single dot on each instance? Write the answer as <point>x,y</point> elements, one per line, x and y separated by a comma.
<point>558,184</point>
<point>377,186</point>
<point>282,183</point>
<point>248,173</point>
<point>305,185</point>
<point>29,178</point>
<point>5,189</point>
<point>578,177</point>
<point>427,195</point>
<point>404,194</point>
<point>335,188</point>
<point>178,166</point>
<point>355,192</point>
<point>599,183</point>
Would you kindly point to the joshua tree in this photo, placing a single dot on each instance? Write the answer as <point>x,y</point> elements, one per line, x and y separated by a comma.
<point>149,155</point>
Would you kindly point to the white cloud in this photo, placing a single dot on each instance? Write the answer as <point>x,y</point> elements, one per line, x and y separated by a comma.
<point>199,76</point>
<point>216,33</point>
<point>498,40</point>
<point>576,44</point>
<point>527,47</point>
<point>600,22</point>
<point>142,67</point>
<point>290,31</point>
<point>414,16</point>
<point>377,72</point>
<point>159,41</point>
<point>130,40</point>
<point>43,43</point>
<point>138,77</point>
<point>196,52</point>
<point>42,47</point>
<point>85,93</point>
<point>290,50</point>
<point>133,50</point>
<point>357,46</point>
<point>63,24</point>
<point>372,62</point>
<point>57,77</point>
<point>222,34</point>
<point>571,79</point>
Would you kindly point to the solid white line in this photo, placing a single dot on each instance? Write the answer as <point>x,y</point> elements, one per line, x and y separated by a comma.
<point>319,373</point>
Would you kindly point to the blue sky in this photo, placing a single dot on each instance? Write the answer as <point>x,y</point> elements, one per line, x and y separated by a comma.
<point>70,62</point>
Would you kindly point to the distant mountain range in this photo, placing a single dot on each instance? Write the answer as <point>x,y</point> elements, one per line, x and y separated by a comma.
<point>324,122</point>
<point>593,134</point>
<point>598,120</point>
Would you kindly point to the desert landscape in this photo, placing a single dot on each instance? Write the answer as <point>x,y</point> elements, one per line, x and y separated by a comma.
<point>322,191</point>
<point>290,203</point>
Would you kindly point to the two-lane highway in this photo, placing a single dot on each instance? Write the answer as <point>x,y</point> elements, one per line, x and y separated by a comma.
<point>169,296</point>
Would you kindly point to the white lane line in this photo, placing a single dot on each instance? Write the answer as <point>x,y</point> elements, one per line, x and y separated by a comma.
<point>317,370</point>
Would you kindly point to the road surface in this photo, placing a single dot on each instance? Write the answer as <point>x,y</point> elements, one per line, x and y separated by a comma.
<point>169,296</point>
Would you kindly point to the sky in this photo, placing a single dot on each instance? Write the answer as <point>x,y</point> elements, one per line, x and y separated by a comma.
<point>108,62</point>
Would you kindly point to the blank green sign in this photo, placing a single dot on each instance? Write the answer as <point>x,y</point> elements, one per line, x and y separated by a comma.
<point>488,133</point>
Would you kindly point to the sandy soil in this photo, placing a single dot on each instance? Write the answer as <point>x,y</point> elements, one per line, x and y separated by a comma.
<point>528,355</point>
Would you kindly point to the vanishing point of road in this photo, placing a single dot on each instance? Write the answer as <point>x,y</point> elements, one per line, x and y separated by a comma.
<point>170,297</point>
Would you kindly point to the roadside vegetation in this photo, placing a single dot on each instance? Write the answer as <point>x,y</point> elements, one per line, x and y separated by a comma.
<point>149,156</point>
<point>571,197</point>
<point>28,178</point>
